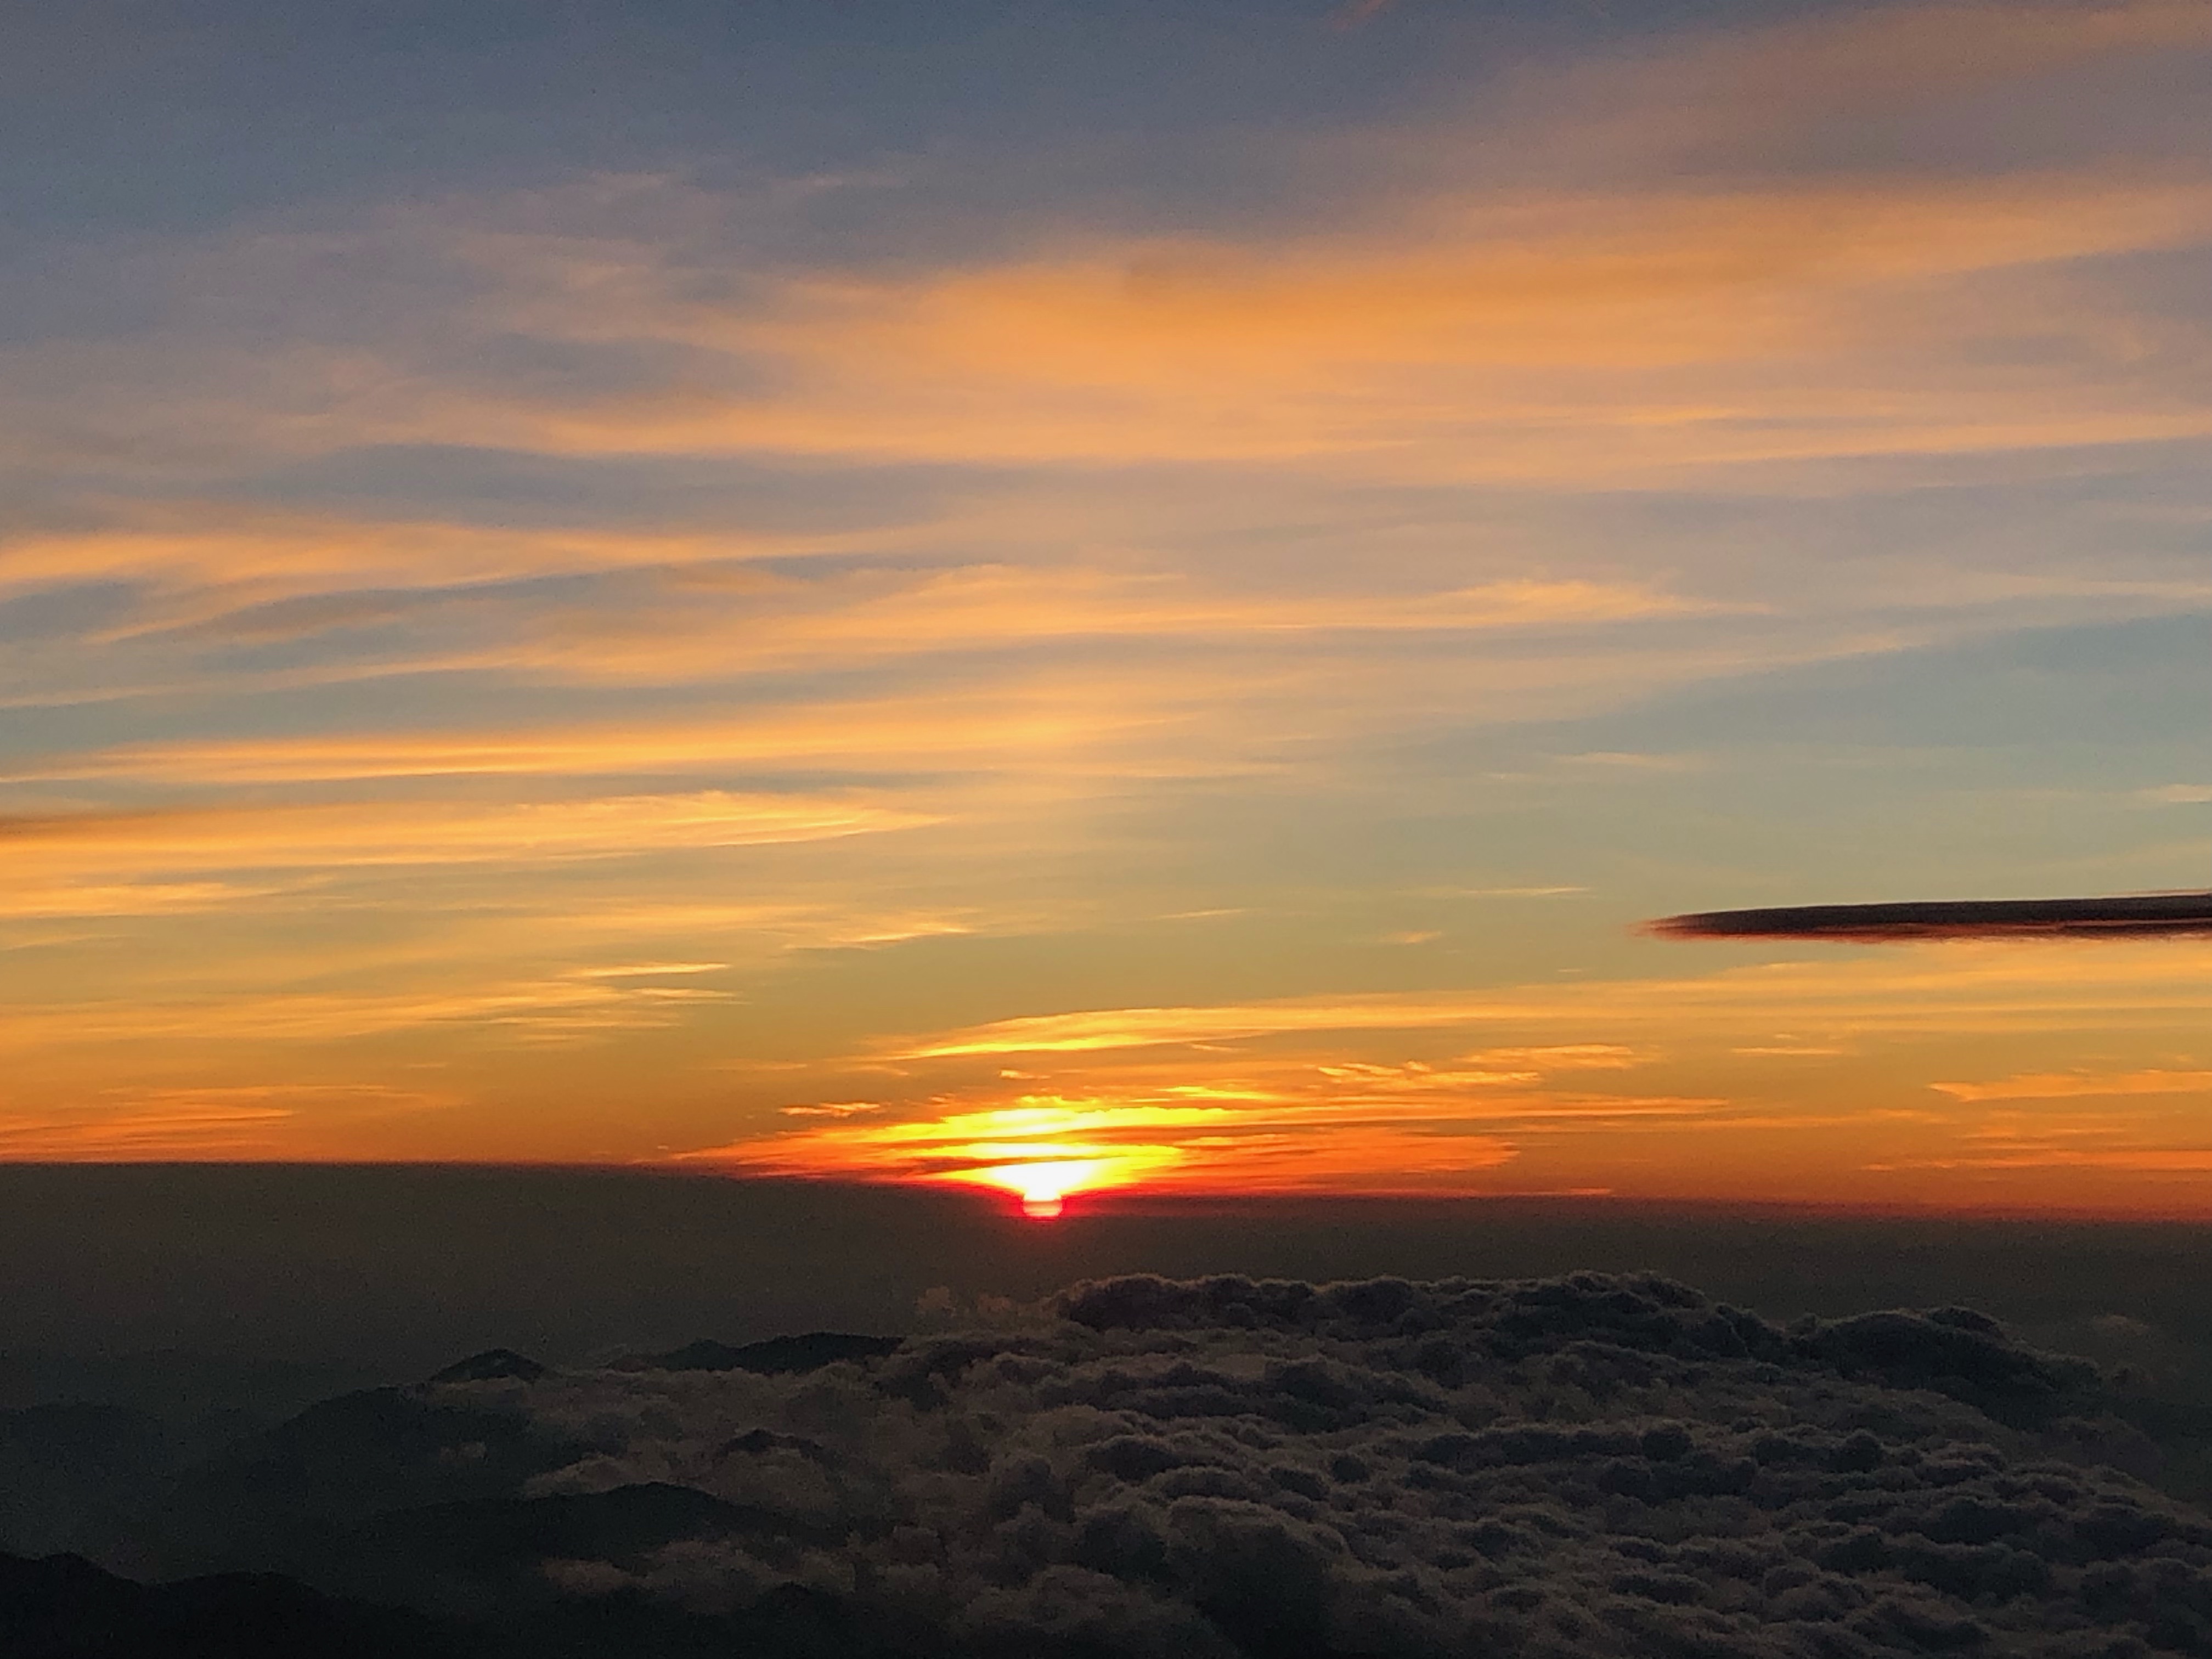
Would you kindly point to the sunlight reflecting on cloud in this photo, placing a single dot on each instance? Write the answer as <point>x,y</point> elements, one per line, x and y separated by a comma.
<point>2066,1085</point>
<point>1052,1146</point>
<point>1957,987</point>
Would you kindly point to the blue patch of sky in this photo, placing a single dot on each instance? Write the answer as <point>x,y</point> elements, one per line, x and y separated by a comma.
<point>168,113</point>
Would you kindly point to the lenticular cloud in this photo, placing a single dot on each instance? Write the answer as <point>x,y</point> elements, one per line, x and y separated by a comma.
<point>2135,916</point>
<point>1586,1466</point>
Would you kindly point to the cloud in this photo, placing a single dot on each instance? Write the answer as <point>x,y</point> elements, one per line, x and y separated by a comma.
<point>1579,1465</point>
<point>66,846</point>
<point>518,548</point>
<point>1515,338</point>
<point>1287,1125</point>
<point>1724,98</point>
<point>871,615</point>
<point>211,1127</point>
<point>259,557</point>
<point>2068,1085</point>
<point>1138,1028</point>
<point>526,1011</point>
<point>1660,297</point>
<point>2149,915</point>
<point>1967,989</point>
<point>2149,1160</point>
<point>1175,1139</point>
<point>1353,13</point>
<point>1382,1093</point>
<point>134,898</point>
<point>215,1121</point>
<point>651,969</point>
<point>957,730</point>
<point>1503,893</point>
<point>1563,1057</point>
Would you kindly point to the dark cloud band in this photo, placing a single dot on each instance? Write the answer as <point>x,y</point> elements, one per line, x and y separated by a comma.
<point>2137,916</point>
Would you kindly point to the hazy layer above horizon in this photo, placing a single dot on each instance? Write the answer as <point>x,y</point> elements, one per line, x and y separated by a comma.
<point>171,1284</point>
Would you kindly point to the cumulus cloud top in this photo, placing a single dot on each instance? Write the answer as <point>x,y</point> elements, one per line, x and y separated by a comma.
<point>1590,1465</point>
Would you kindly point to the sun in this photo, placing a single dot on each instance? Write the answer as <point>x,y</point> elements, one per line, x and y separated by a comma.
<point>1038,1153</point>
<point>1043,1187</point>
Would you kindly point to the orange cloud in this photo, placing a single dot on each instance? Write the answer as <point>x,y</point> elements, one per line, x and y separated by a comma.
<point>1047,1147</point>
<point>45,849</point>
<point>1514,339</point>
<point>1593,328</point>
<point>20,902</point>
<point>983,608</point>
<point>963,730</point>
<point>211,1128</point>
<point>215,1121</point>
<point>258,555</point>
<point>2150,1161</point>
<point>526,1011</point>
<point>1955,987</point>
<point>1563,1057</point>
<point>2068,1085</point>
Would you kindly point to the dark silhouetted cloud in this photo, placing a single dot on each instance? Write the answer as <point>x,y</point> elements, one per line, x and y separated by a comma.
<point>1589,1465</point>
<point>2137,915</point>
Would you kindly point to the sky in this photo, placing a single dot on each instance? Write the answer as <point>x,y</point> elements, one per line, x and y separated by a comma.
<point>1075,599</point>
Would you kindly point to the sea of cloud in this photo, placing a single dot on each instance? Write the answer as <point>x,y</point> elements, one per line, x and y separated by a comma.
<point>1580,1465</point>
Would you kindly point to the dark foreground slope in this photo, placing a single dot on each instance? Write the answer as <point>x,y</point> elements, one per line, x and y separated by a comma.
<point>62,1607</point>
<point>1585,1466</point>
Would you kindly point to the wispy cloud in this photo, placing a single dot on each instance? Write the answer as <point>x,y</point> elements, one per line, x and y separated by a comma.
<point>2145,1161</point>
<point>2070,1085</point>
<point>211,1122</point>
<point>210,1128</point>
<point>1221,1142</point>
<point>1509,338</point>
<point>837,1108</point>
<point>258,557</point>
<point>555,1011</point>
<point>1967,989</point>
<point>1647,314</point>
<point>68,846</point>
<point>651,969</point>
<point>886,735</point>
<point>1353,13</point>
<point>47,896</point>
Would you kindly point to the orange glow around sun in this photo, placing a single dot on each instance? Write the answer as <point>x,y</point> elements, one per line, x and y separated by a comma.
<point>1044,1150</point>
<point>1044,1186</point>
<point>1041,1151</point>
<point>1045,1183</point>
<point>1799,1082</point>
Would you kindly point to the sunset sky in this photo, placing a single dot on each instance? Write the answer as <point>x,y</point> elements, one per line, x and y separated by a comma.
<point>1078,595</point>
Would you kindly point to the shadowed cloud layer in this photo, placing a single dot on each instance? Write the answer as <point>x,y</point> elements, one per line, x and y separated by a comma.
<point>1234,1469</point>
